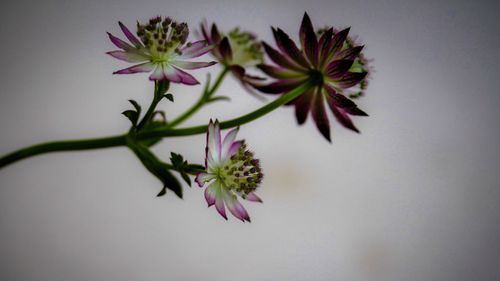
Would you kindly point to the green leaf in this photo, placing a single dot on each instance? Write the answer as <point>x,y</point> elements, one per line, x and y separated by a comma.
<point>136,106</point>
<point>156,167</point>
<point>151,126</point>
<point>169,97</point>
<point>184,168</point>
<point>133,116</point>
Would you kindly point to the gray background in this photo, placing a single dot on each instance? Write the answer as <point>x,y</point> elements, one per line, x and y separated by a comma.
<point>414,197</point>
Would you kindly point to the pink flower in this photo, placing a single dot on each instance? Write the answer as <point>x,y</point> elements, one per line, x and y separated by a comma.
<point>162,49</point>
<point>231,171</point>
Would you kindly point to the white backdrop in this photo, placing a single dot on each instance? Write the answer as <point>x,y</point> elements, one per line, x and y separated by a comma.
<point>415,196</point>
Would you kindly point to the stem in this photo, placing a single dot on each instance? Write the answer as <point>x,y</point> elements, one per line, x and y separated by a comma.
<point>201,101</point>
<point>284,99</point>
<point>160,88</point>
<point>61,146</point>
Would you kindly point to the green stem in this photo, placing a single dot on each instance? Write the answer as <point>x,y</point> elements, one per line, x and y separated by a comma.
<point>160,88</point>
<point>284,99</point>
<point>201,101</point>
<point>70,145</point>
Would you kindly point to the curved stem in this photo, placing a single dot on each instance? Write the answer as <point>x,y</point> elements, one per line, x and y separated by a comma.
<point>61,146</point>
<point>201,101</point>
<point>160,88</point>
<point>284,99</point>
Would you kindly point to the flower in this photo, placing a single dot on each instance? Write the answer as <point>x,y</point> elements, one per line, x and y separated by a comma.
<point>231,171</point>
<point>236,51</point>
<point>331,64</point>
<point>162,48</point>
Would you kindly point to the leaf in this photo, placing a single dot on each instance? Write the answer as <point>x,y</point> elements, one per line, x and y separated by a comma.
<point>169,97</point>
<point>133,116</point>
<point>136,106</point>
<point>156,167</point>
<point>184,168</point>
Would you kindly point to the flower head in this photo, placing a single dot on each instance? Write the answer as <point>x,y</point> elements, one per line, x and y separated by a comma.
<point>231,172</point>
<point>331,63</point>
<point>235,50</point>
<point>161,47</point>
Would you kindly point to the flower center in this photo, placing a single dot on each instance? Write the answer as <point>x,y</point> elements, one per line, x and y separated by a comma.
<point>246,49</point>
<point>162,37</point>
<point>316,76</point>
<point>241,173</point>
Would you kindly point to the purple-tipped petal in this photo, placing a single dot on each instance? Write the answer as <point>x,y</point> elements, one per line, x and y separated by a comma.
<point>130,36</point>
<point>214,140</point>
<point>235,207</point>
<point>192,64</point>
<point>225,50</point>
<point>287,46</point>
<point>341,115</point>
<point>196,49</point>
<point>127,56</point>
<point>211,193</point>
<point>338,68</point>
<point>219,202</point>
<point>227,142</point>
<point>355,111</point>
<point>158,74</point>
<point>215,34</point>
<point>119,43</point>
<point>279,86</point>
<point>302,106</point>
<point>348,54</point>
<point>202,178</point>
<point>253,197</point>
<point>350,79</point>
<point>281,60</point>
<point>143,67</point>
<point>176,75</point>
<point>278,72</point>
<point>234,148</point>
<point>319,115</point>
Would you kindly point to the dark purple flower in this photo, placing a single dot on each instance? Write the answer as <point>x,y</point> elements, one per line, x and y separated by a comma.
<point>330,62</point>
<point>162,48</point>
<point>235,50</point>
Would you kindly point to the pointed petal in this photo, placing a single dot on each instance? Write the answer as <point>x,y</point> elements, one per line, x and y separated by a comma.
<point>355,111</point>
<point>341,115</point>
<point>338,68</point>
<point>336,43</point>
<point>278,72</point>
<point>234,148</point>
<point>309,40</point>
<point>158,74</point>
<point>319,115</point>
<point>323,43</point>
<point>196,49</point>
<point>119,43</point>
<point>192,64</point>
<point>235,207</point>
<point>279,86</point>
<point>202,178</point>
<point>219,202</point>
<point>253,197</point>
<point>348,54</point>
<point>225,50</point>
<point>305,27</point>
<point>350,79</point>
<point>127,56</point>
<point>143,67</point>
<point>130,36</point>
<point>215,34</point>
<point>176,75</point>
<point>302,106</point>
<point>211,193</point>
<point>228,141</point>
<point>287,46</point>
<point>281,60</point>
<point>214,140</point>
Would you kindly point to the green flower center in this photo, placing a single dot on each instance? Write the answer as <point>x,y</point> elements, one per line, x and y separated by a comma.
<point>246,49</point>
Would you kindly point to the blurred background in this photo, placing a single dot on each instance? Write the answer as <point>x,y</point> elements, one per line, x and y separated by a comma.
<point>415,196</point>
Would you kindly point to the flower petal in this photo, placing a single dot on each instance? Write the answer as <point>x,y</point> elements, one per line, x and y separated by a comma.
<point>196,49</point>
<point>214,140</point>
<point>287,46</point>
<point>305,27</point>
<point>253,197</point>
<point>309,40</point>
<point>338,68</point>
<point>278,72</point>
<point>234,148</point>
<point>225,50</point>
<point>215,34</point>
<point>127,56</point>
<point>350,79</point>
<point>323,43</point>
<point>319,115</point>
<point>219,201</point>
<point>131,37</point>
<point>341,115</point>
<point>235,207</point>
<point>337,42</point>
<point>192,64</point>
<point>302,106</point>
<point>279,86</point>
<point>348,54</point>
<point>143,67</point>
<point>281,60</point>
<point>203,178</point>
<point>228,142</point>
<point>158,74</point>
<point>119,43</point>
<point>178,76</point>
<point>211,193</point>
